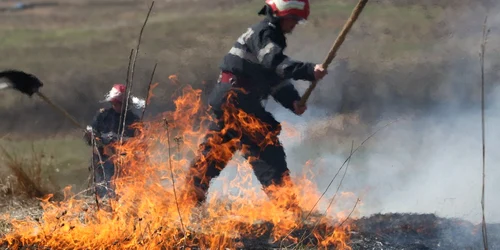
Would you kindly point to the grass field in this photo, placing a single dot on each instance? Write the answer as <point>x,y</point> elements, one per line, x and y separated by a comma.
<point>400,59</point>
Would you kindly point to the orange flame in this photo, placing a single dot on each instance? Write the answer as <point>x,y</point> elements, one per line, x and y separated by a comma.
<point>151,212</point>
<point>150,93</point>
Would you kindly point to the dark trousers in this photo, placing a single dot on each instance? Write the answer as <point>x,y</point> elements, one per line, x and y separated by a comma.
<point>103,174</point>
<point>235,128</point>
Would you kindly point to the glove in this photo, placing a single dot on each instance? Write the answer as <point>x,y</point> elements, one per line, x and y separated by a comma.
<point>87,136</point>
<point>108,138</point>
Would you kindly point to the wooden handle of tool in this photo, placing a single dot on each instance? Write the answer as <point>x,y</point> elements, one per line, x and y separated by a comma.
<point>333,51</point>
<point>64,112</point>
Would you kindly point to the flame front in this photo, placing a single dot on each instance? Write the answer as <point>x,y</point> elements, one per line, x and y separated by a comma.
<point>151,212</point>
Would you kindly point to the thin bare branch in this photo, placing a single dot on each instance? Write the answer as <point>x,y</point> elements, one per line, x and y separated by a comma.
<point>348,216</point>
<point>129,88</point>
<point>304,236</point>
<point>173,178</point>
<point>149,91</point>
<point>129,85</point>
<point>483,46</point>
<point>348,159</point>
<point>92,171</point>
<point>334,177</point>
<point>121,125</point>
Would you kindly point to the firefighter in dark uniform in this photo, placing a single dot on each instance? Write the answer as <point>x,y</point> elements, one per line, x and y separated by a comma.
<point>105,129</point>
<point>254,68</point>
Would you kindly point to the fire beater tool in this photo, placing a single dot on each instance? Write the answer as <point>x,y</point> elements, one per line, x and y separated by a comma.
<point>29,85</point>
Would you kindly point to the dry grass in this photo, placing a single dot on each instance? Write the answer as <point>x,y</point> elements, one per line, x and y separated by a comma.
<point>26,175</point>
<point>29,172</point>
<point>59,160</point>
<point>17,208</point>
<point>22,185</point>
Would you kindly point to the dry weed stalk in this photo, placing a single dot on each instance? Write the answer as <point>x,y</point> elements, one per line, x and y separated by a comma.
<point>149,91</point>
<point>132,70</point>
<point>334,177</point>
<point>173,178</point>
<point>92,169</point>
<point>129,85</point>
<point>481,55</point>
<point>304,236</point>
<point>126,81</point>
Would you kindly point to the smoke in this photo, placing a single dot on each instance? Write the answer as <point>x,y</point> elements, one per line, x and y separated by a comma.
<point>430,162</point>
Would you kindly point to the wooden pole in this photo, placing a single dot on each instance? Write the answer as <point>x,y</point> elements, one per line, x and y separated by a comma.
<point>333,51</point>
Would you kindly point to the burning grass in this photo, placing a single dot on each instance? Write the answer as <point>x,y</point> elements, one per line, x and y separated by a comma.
<point>147,213</point>
<point>151,212</point>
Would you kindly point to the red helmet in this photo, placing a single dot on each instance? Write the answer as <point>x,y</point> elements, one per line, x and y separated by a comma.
<point>294,8</point>
<point>116,93</point>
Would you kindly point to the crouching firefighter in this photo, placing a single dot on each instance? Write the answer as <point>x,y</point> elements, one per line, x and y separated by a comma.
<point>254,69</point>
<point>106,128</point>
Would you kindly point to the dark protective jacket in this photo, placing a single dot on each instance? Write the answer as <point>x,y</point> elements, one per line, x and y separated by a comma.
<point>257,56</point>
<point>108,121</point>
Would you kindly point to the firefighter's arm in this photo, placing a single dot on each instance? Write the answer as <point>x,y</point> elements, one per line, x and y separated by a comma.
<point>87,136</point>
<point>93,127</point>
<point>271,56</point>
<point>286,94</point>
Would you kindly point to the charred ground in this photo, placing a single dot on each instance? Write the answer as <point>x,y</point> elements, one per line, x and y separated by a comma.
<point>392,231</point>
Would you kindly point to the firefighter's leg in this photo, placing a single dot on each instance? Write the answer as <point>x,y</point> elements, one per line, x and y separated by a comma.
<point>99,182</point>
<point>109,172</point>
<point>214,154</point>
<point>270,168</point>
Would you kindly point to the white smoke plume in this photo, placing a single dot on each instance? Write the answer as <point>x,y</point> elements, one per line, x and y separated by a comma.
<point>430,162</point>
